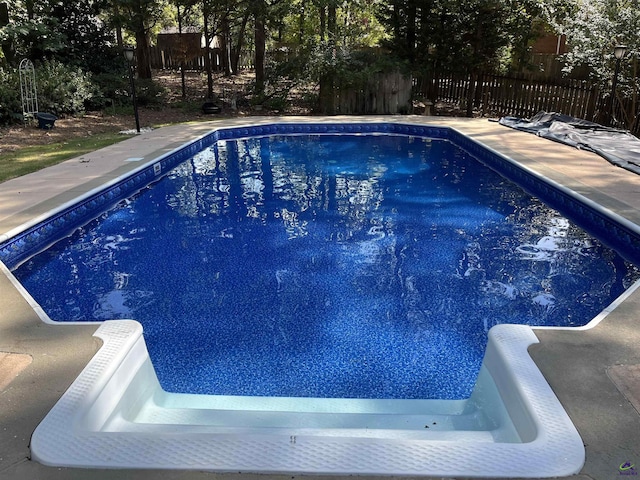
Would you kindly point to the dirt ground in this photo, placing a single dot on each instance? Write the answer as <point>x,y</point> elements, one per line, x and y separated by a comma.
<point>231,93</point>
<point>18,136</point>
<point>175,110</point>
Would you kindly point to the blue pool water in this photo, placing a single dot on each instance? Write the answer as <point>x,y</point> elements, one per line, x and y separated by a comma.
<point>327,266</point>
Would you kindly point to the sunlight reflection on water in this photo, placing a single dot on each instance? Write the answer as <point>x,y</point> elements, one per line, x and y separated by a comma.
<point>347,266</point>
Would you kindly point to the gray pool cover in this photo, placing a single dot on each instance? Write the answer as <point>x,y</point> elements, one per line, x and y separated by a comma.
<point>617,146</point>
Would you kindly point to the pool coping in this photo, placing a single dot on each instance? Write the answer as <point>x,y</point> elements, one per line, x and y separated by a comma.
<point>574,364</point>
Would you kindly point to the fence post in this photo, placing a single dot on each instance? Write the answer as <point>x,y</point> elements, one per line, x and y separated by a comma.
<point>594,95</point>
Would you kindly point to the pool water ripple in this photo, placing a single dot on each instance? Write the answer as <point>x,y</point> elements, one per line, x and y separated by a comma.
<point>327,266</point>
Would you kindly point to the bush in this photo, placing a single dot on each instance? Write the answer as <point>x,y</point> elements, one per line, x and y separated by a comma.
<point>10,102</point>
<point>351,67</point>
<point>116,88</point>
<point>63,90</point>
<point>113,88</point>
<point>150,93</point>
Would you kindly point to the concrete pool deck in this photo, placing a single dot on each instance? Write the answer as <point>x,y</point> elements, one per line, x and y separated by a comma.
<point>595,373</point>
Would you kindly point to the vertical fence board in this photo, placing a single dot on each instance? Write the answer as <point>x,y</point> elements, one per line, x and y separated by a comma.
<point>383,94</point>
<point>518,95</point>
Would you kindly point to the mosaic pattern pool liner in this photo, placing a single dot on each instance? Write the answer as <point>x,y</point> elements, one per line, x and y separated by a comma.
<point>82,429</point>
<point>613,231</point>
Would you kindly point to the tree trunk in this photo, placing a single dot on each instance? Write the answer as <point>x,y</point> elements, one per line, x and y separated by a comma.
<point>326,96</point>
<point>411,30</point>
<point>260,35</point>
<point>327,80</point>
<point>6,45</point>
<point>235,57</point>
<point>143,60</point>
<point>29,6</point>
<point>323,22</point>
<point>301,34</point>
<point>396,21</point>
<point>207,51</point>
<point>225,37</point>
<point>332,23</point>
<point>182,55</point>
<point>119,39</point>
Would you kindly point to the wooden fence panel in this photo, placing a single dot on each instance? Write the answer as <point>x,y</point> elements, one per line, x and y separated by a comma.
<point>383,94</point>
<point>164,59</point>
<point>519,96</point>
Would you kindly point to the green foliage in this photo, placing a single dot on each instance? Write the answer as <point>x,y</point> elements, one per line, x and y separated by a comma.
<point>350,67</point>
<point>63,90</point>
<point>150,93</point>
<point>139,14</point>
<point>31,39</point>
<point>299,22</point>
<point>593,31</point>
<point>70,32</point>
<point>10,102</point>
<point>456,36</point>
<point>113,88</point>
<point>140,17</point>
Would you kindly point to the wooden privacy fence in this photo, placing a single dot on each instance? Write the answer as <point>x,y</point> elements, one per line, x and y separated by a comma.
<point>520,96</point>
<point>524,97</point>
<point>383,94</point>
<point>168,59</point>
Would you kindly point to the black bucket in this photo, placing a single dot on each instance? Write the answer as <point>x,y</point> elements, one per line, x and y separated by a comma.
<point>210,107</point>
<point>46,120</point>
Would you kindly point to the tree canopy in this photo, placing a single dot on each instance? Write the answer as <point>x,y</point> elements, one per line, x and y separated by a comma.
<point>322,40</point>
<point>429,33</point>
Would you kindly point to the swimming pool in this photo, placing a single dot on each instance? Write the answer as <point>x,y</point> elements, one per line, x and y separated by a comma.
<point>331,266</point>
<point>526,428</point>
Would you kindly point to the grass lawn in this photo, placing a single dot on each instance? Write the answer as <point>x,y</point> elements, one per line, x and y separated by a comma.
<point>30,159</point>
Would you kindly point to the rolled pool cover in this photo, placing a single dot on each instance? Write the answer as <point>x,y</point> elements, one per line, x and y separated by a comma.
<point>619,147</point>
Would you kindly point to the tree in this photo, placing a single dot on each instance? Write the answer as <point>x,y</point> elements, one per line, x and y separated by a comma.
<point>139,17</point>
<point>260,38</point>
<point>593,30</point>
<point>226,19</point>
<point>184,11</point>
<point>328,49</point>
<point>464,37</point>
<point>50,29</point>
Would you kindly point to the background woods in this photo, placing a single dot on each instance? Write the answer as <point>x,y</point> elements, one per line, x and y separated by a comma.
<point>397,56</point>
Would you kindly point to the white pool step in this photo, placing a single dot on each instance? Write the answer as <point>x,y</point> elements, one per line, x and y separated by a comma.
<point>115,415</point>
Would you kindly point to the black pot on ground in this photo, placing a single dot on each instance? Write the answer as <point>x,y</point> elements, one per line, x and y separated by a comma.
<point>210,107</point>
<point>46,120</point>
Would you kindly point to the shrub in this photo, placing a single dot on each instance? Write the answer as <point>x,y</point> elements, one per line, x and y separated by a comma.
<point>63,90</point>
<point>150,93</point>
<point>10,102</point>
<point>113,88</point>
<point>348,66</point>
